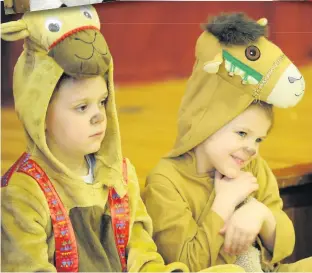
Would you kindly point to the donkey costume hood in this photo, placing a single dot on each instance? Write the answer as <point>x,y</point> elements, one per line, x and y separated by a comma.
<point>235,65</point>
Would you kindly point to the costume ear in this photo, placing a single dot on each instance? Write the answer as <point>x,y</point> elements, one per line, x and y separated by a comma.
<point>13,31</point>
<point>263,22</point>
<point>212,66</point>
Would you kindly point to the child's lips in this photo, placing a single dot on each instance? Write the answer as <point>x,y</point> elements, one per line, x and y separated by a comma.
<point>238,161</point>
<point>97,134</point>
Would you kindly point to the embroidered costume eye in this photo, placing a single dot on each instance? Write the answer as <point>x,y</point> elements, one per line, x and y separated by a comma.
<point>53,25</point>
<point>86,12</point>
<point>252,53</point>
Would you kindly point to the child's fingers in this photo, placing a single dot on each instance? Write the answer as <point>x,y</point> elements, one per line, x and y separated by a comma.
<point>244,249</point>
<point>236,242</point>
<point>248,241</point>
<point>223,230</point>
<point>225,227</point>
<point>228,239</point>
<point>242,244</point>
<point>251,239</point>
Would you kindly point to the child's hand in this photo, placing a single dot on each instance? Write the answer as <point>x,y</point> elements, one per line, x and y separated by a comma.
<point>243,227</point>
<point>235,190</point>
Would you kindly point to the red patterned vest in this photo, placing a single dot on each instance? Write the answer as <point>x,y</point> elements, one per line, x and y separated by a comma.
<point>66,254</point>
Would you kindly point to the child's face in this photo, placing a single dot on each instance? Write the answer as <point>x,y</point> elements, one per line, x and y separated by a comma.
<point>237,143</point>
<point>76,118</point>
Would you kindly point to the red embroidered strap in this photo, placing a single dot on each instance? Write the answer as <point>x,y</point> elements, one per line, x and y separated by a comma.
<point>6,177</point>
<point>120,214</point>
<point>66,254</point>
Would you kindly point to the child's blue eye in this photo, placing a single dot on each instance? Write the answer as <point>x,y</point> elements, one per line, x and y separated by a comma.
<point>258,140</point>
<point>242,134</point>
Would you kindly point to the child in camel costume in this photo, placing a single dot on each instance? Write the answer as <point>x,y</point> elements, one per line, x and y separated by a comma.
<point>56,217</point>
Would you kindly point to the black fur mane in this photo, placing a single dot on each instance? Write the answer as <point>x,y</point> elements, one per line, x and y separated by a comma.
<point>235,29</point>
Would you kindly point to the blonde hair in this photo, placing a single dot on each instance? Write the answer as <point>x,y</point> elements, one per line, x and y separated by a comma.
<point>267,108</point>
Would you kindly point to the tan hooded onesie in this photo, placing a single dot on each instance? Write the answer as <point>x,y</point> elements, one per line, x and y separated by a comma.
<point>233,68</point>
<point>53,39</point>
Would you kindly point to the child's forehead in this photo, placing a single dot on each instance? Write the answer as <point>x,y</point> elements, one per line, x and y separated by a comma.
<point>73,89</point>
<point>252,119</point>
<point>250,114</point>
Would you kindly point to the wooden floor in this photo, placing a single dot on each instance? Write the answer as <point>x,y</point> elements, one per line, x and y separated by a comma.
<point>147,115</point>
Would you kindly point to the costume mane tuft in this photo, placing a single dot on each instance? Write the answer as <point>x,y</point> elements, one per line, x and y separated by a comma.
<point>235,29</point>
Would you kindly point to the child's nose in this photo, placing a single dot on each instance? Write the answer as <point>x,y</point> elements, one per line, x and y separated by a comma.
<point>97,118</point>
<point>251,151</point>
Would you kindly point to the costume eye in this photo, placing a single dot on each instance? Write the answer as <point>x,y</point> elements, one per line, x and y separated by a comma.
<point>86,12</point>
<point>53,25</point>
<point>252,53</point>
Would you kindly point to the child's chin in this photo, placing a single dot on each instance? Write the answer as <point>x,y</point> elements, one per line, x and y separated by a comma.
<point>231,172</point>
<point>94,150</point>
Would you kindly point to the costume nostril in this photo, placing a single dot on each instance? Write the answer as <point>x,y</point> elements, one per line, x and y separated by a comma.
<point>292,80</point>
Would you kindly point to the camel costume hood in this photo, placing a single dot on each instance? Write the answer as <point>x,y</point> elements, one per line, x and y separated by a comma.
<point>235,65</point>
<point>57,42</point>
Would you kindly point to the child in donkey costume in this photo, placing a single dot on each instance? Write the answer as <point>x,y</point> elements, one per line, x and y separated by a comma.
<point>214,200</point>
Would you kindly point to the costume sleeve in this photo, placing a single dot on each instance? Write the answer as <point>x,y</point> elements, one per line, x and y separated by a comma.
<point>141,249</point>
<point>23,227</point>
<point>269,195</point>
<point>177,235</point>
